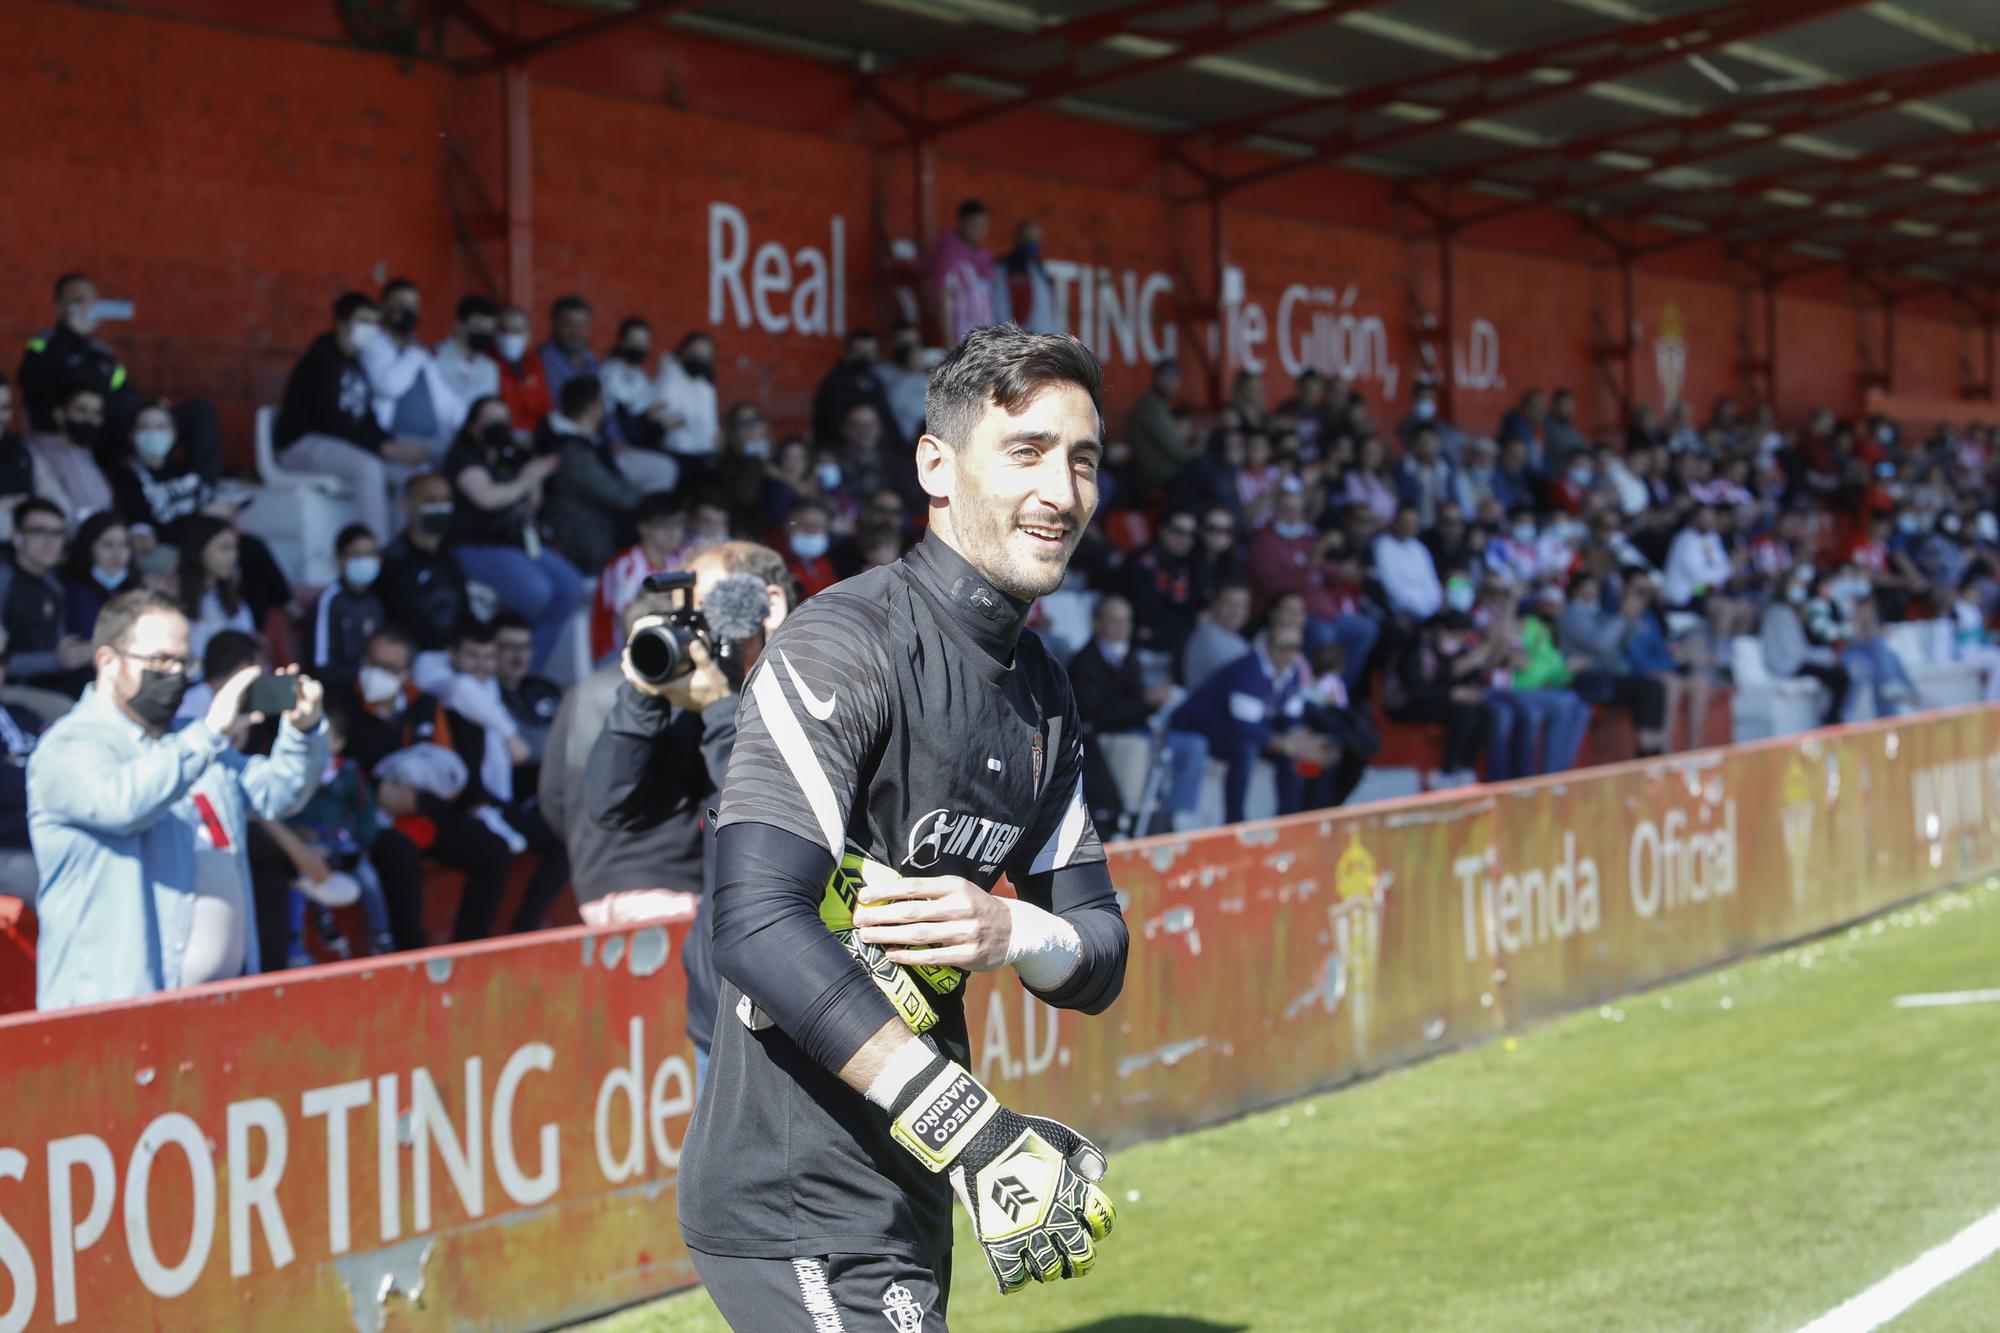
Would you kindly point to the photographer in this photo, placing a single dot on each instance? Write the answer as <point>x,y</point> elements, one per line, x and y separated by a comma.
<point>636,846</point>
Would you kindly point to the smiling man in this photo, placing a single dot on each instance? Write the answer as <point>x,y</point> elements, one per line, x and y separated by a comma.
<point>901,746</point>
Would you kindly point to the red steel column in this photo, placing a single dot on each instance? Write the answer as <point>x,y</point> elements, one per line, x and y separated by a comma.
<point>520,186</point>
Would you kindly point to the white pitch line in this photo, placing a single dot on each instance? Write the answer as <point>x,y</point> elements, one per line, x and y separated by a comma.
<point>1914,1281</point>
<point>1944,998</point>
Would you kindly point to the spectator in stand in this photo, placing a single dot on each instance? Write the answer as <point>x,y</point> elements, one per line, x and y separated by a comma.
<point>791,479</point>
<point>1159,442</point>
<point>1449,537</point>
<point>1479,475</point>
<point>905,382</point>
<point>1339,609</point>
<point>960,279</point>
<point>422,587</point>
<point>44,649</point>
<point>1593,638</point>
<point>808,538</point>
<point>469,360</point>
<point>1426,413</point>
<point>1210,480</point>
<point>413,401</point>
<point>1700,573</point>
<point>866,466</point>
<point>1790,653</point>
<point>1438,680</point>
<point>1284,555</point>
<point>494,536</point>
<point>1644,431</point>
<point>66,354</point>
<point>1515,481</point>
<point>530,700</point>
<point>597,483</point>
<point>1024,281</point>
<point>631,395</point>
<point>687,393</point>
<point>20,728</point>
<point>853,381</point>
<point>1217,639</point>
<point>566,354</point>
<point>1841,614</point>
<point>1677,664</point>
<point>17,465</point>
<point>487,736</point>
<point>1370,483</point>
<point>211,582</point>
<point>741,466</point>
<point>1112,698</point>
<point>1526,421</point>
<point>523,385</point>
<point>1517,556</point>
<point>393,718</point>
<point>661,549</point>
<point>1425,478</point>
<point>66,471</point>
<point>99,567</point>
<point>1247,397</point>
<point>1971,640</point>
<point>349,610</point>
<point>1253,709</point>
<point>1406,571</point>
<point>1561,440</point>
<point>1537,701</point>
<point>144,887</point>
<point>1160,582</point>
<point>1311,413</point>
<point>1219,557</point>
<point>1885,558</point>
<point>328,423</point>
<point>1257,479</point>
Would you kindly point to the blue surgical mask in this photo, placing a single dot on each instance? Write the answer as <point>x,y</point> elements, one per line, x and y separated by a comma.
<point>109,578</point>
<point>829,475</point>
<point>513,346</point>
<point>1114,653</point>
<point>1291,532</point>
<point>1426,408</point>
<point>154,445</point>
<point>1524,532</point>
<point>1458,595</point>
<point>809,545</point>
<point>362,570</point>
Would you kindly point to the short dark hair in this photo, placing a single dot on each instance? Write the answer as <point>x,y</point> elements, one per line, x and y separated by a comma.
<point>72,389</point>
<point>970,208</point>
<point>350,534</point>
<point>470,630</point>
<point>475,306</point>
<point>565,303</point>
<point>35,504</point>
<point>395,634</point>
<point>656,505</point>
<point>752,558</point>
<point>694,335</point>
<point>395,285</point>
<point>121,613</point>
<point>349,304</point>
<point>856,335</point>
<point>1006,365</point>
<point>631,322</point>
<point>580,393</point>
<point>227,653</point>
<point>65,280</point>
<point>512,620</point>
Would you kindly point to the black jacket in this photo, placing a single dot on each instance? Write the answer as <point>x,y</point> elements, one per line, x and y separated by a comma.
<point>650,778</point>
<point>1108,699</point>
<point>343,623</point>
<point>423,592</point>
<point>328,394</point>
<point>843,389</point>
<point>56,356</point>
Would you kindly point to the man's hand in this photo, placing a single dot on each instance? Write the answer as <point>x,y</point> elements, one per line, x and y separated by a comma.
<point>228,701</point>
<point>304,714</point>
<point>519,751</point>
<point>1029,1183</point>
<point>937,920</point>
<point>702,686</point>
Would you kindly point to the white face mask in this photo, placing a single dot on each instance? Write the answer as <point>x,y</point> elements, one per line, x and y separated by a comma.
<point>1114,653</point>
<point>154,445</point>
<point>513,346</point>
<point>364,335</point>
<point>379,686</point>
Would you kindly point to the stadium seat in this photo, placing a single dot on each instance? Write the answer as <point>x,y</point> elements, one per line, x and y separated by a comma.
<point>1925,649</point>
<point>1065,621</point>
<point>298,514</point>
<point>1128,755</point>
<point>1762,705</point>
<point>1128,529</point>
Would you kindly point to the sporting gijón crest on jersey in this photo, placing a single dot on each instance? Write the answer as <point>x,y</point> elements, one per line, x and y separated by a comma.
<point>880,720</point>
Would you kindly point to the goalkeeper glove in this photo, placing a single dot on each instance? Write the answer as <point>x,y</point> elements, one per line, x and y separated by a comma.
<point>1029,1183</point>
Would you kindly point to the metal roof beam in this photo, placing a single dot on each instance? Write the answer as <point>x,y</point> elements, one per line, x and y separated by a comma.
<point>1210,39</point>
<point>1638,48</point>
<point>1823,107</point>
<point>1074,33</point>
<point>1964,207</point>
<point>521,52</point>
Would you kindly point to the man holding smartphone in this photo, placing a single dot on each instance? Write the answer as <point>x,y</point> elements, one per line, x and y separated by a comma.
<point>125,812</point>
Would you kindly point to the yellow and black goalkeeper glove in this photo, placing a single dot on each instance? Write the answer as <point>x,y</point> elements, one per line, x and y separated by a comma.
<point>1029,1183</point>
<point>849,884</point>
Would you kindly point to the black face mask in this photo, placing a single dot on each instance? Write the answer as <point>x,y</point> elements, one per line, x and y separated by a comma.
<point>82,434</point>
<point>632,356</point>
<point>484,343</point>
<point>158,698</point>
<point>434,520</point>
<point>402,322</point>
<point>498,438</point>
<point>697,367</point>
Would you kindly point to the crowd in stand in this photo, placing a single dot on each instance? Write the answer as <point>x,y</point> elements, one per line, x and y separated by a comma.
<point>1274,581</point>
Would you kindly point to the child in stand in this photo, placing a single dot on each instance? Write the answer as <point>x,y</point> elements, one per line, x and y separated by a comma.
<point>336,831</point>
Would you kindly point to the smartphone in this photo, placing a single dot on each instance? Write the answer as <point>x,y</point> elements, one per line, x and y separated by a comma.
<point>271,695</point>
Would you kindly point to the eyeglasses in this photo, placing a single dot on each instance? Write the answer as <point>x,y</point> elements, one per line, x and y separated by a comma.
<point>166,663</point>
<point>41,532</point>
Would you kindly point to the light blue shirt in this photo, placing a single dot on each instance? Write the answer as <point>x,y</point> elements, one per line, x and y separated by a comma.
<point>112,817</point>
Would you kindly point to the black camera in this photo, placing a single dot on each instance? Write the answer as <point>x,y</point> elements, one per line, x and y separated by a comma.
<point>659,653</point>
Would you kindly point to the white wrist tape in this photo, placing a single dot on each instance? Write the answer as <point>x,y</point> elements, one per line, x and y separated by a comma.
<point>911,1059</point>
<point>1042,948</point>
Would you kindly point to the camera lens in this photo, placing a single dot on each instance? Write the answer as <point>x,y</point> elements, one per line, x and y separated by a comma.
<point>657,654</point>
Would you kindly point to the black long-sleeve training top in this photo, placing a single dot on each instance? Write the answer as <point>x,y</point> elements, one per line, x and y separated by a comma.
<point>902,715</point>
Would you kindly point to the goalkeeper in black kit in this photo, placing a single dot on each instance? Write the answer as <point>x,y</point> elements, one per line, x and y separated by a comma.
<point>901,746</point>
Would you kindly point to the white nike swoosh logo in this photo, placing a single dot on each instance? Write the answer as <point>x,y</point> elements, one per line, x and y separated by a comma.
<point>822,709</point>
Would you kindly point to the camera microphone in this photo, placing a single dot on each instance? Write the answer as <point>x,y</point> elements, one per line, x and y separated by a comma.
<point>735,607</point>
